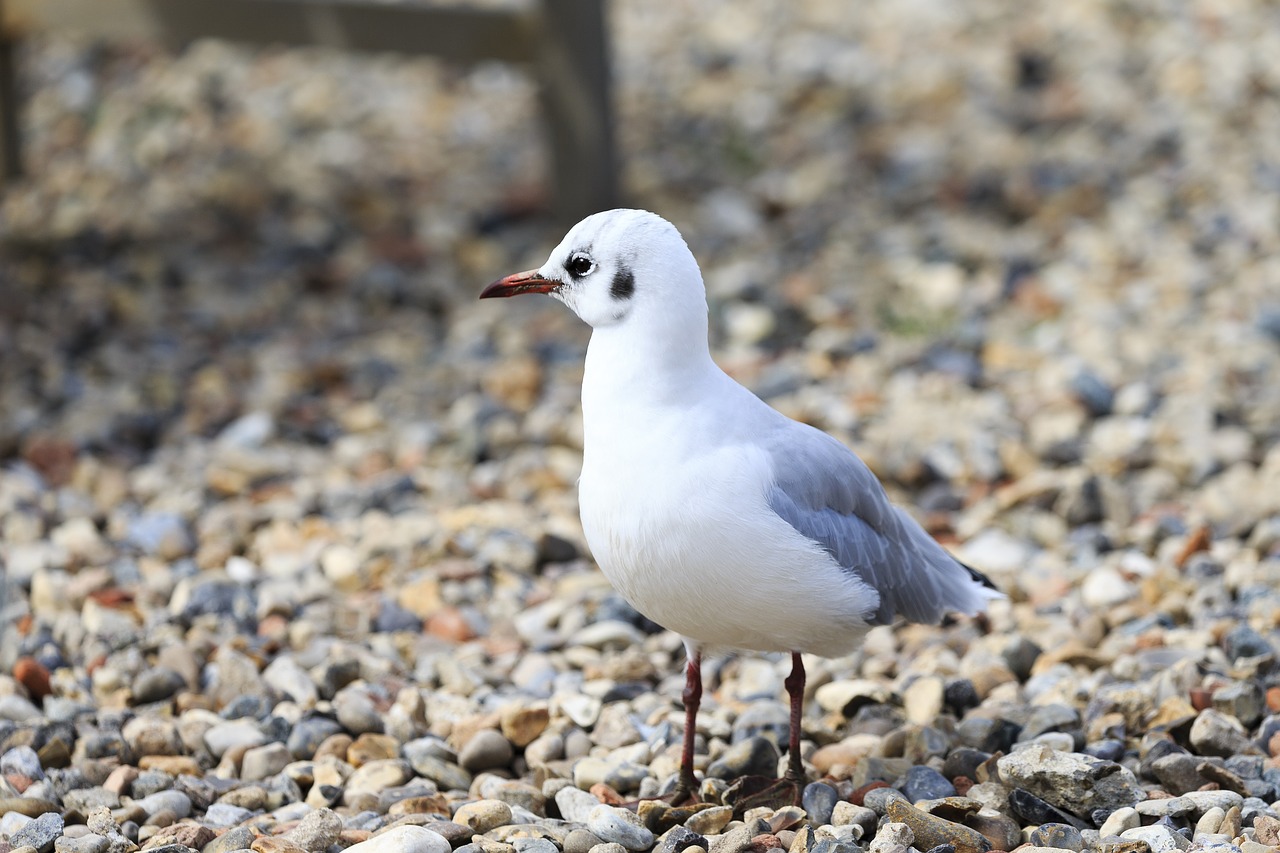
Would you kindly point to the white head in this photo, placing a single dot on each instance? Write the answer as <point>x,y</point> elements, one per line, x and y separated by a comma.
<point>621,268</point>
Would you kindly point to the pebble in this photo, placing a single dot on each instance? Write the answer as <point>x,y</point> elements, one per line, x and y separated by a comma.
<point>1161,839</point>
<point>39,833</point>
<point>403,839</point>
<point>483,815</point>
<point>619,826</point>
<point>486,750</point>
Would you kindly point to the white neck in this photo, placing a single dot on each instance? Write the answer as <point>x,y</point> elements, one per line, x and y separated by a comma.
<point>624,366</point>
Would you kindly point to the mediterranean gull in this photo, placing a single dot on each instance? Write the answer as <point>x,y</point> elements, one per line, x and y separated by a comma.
<point>715,515</point>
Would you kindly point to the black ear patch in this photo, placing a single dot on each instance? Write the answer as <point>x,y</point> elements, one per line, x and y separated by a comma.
<point>624,284</point>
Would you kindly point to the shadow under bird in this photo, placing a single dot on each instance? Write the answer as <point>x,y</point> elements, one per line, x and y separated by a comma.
<point>715,515</point>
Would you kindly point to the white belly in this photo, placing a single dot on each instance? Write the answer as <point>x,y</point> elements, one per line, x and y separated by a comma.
<point>691,544</point>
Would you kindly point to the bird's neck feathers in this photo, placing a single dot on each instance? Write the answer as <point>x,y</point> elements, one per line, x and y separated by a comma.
<point>660,351</point>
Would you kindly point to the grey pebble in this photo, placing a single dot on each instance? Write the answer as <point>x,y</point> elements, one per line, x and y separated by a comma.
<point>220,815</point>
<point>619,826</point>
<point>580,841</point>
<point>235,838</point>
<point>39,833</point>
<point>88,843</point>
<point>171,801</point>
<point>486,750</point>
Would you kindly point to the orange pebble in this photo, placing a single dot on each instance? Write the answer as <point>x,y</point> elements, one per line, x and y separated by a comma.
<point>34,676</point>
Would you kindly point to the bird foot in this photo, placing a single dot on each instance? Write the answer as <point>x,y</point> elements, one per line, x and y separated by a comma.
<point>750,792</point>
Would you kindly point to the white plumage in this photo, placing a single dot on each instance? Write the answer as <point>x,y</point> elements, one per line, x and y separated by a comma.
<point>712,513</point>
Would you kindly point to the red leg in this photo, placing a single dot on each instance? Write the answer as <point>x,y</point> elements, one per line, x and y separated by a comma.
<point>795,688</point>
<point>692,699</point>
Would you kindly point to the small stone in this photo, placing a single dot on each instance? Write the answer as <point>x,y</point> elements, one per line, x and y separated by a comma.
<point>88,843</point>
<point>483,815</point>
<point>1232,822</point>
<point>892,837</point>
<point>371,746</point>
<point>619,826</point>
<point>1059,835</point>
<point>379,775</point>
<point>237,838</point>
<point>1003,832</point>
<point>221,815</point>
<point>317,830</point>
<point>1214,733</point>
<point>403,839</point>
<point>1161,839</point>
<point>1119,821</point>
<point>225,736</point>
<point>930,831</point>
<point>756,756</point>
<point>925,783</point>
<point>681,839</point>
<point>1177,772</point>
<point>172,801</point>
<point>847,814</point>
<point>1267,830</point>
<point>264,761</point>
<point>818,800</point>
<point>307,735</point>
<point>1209,822</point>
<point>522,724</point>
<point>575,804</point>
<point>710,821</point>
<point>486,750</point>
<point>1072,781</point>
<point>580,841</point>
<point>152,736</point>
<point>39,833</point>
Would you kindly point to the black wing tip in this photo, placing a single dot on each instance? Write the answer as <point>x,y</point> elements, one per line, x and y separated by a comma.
<point>978,576</point>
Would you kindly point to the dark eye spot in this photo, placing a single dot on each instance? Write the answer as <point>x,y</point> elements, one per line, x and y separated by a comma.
<point>624,284</point>
<point>579,264</point>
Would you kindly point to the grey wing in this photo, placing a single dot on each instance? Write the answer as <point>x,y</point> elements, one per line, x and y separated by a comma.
<point>828,494</point>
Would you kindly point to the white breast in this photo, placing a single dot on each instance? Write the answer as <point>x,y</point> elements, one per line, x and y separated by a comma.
<point>685,535</point>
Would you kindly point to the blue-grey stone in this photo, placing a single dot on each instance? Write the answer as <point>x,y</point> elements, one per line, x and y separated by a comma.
<point>925,783</point>
<point>307,735</point>
<point>819,800</point>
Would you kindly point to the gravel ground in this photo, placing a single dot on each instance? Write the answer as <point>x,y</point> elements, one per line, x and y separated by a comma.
<point>288,519</point>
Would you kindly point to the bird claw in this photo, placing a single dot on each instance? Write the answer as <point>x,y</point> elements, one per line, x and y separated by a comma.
<point>750,792</point>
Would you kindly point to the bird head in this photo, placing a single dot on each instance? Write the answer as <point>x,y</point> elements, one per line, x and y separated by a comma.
<point>617,267</point>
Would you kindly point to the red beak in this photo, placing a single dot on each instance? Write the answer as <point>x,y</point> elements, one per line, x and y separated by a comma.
<point>522,282</point>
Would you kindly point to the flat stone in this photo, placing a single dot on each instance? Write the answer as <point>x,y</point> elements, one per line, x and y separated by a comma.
<point>620,827</point>
<point>483,815</point>
<point>403,839</point>
<point>930,831</point>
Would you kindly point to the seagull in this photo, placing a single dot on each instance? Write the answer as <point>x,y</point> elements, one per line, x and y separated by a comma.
<point>712,513</point>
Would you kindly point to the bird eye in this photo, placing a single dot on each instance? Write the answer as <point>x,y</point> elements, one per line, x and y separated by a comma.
<point>579,265</point>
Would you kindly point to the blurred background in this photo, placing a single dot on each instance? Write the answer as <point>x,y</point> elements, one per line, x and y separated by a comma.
<point>1025,258</point>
